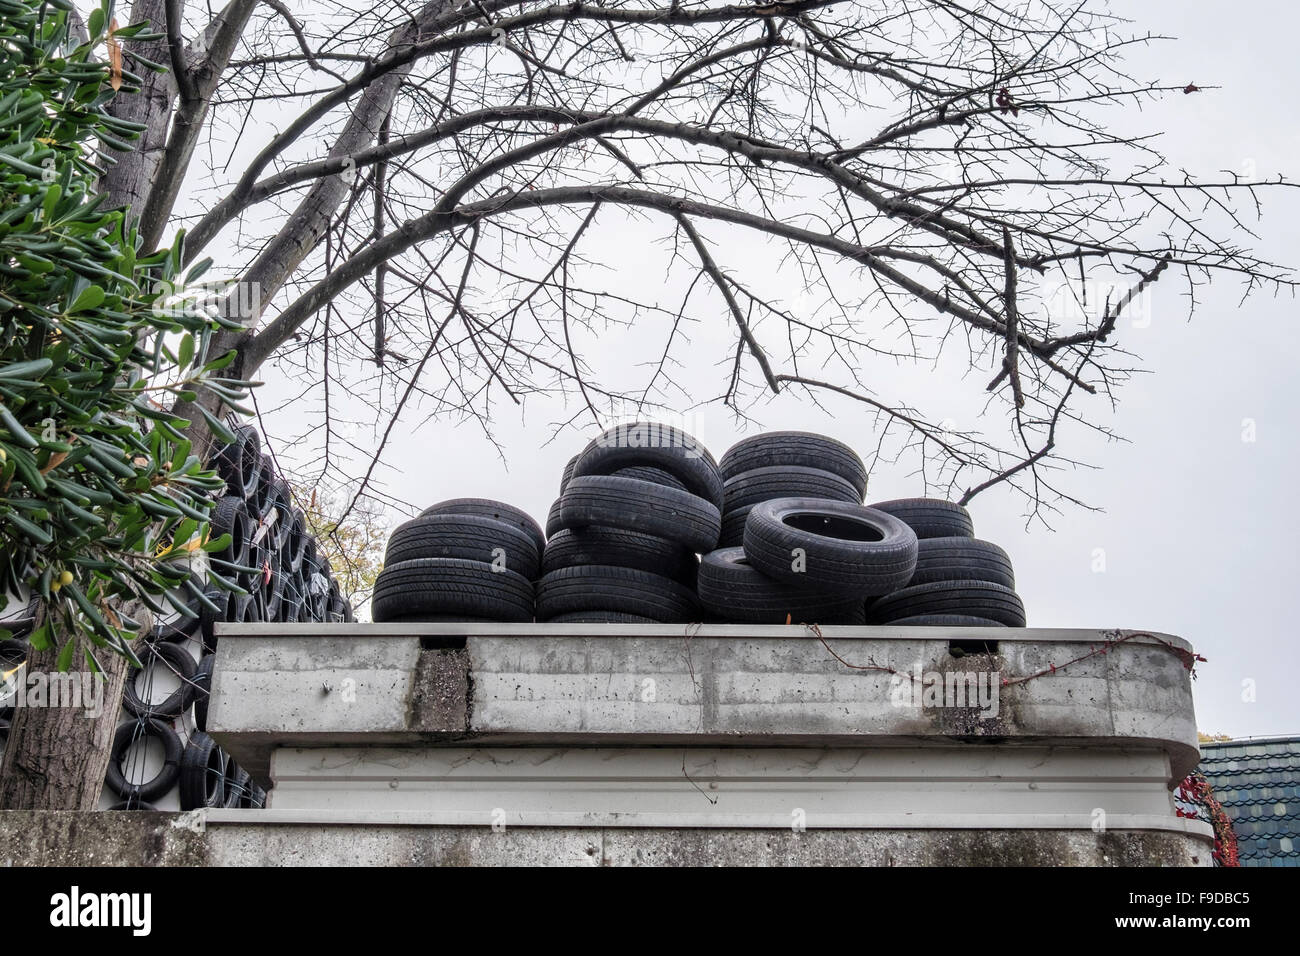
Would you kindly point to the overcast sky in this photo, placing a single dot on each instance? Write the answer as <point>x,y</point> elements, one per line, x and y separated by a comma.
<point>1199,533</point>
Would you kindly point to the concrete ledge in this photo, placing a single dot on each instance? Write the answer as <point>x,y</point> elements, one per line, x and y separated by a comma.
<point>247,838</point>
<point>439,685</point>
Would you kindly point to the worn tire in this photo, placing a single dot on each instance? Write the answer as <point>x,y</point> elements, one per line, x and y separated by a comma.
<point>656,476</point>
<point>134,805</point>
<point>567,473</point>
<point>623,549</point>
<point>930,517</point>
<point>203,690</point>
<point>237,785</point>
<point>600,587</point>
<point>487,508</point>
<point>233,609</point>
<point>123,737</point>
<point>240,461</point>
<point>634,505</point>
<point>408,590</point>
<point>468,537</point>
<point>735,592</point>
<point>176,659</point>
<point>962,559</point>
<point>946,620</point>
<point>849,549</point>
<point>798,449</point>
<point>230,516</point>
<point>203,773</point>
<point>785,481</point>
<point>969,598</point>
<point>173,627</point>
<point>733,528</point>
<point>655,445</point>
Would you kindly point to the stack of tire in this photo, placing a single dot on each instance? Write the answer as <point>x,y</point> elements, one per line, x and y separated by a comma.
<point>635,509</point>
<point>467,559</point>
<point>959,581</point>
<point>798,544</point>
<point>280,576</point>
<point>785,465</point>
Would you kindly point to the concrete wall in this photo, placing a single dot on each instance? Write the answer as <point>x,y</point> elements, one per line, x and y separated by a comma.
<point>246,837</point>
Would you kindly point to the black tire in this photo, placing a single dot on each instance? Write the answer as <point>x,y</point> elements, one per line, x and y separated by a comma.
<point>733,528</point>
<point>19,616</point>
<point>847,548</point>
<point>735,592</point>
<point>134,804</point>
<point>338,608</point>
<point>601,587</point>
<point>12,653</point>
<point>230,516</point>
<point>800,449</point>
<point>273,591</point>
<point>970,598</point>
<point>618,548</point>
<point>408,590</point>
<point>946,620</point>
<point>930,517</point>
<point>634,505</point>
<point>203,773</point>
<point>656,445</point>
<point>487,508</point>
<point>468,537</point>
<point>260,500</point>
<point>239,462</point>
<point>553,524</point>
<point>278,503</point>
<point>237,785</point>
<point>601,617</point>
<point>256,798</point>
<point>125,735</point>
<point>656,476</point>
<point>173,627</point>
<point>296,543</point>
<point>203,690</point>
<point>176,659</point>
<point>233,608</point>
<point>568,471</point>
<point>962,559</point>
<point>785,481</point>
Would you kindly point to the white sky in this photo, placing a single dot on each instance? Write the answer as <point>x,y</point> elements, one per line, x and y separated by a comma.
<point>1200,528</point>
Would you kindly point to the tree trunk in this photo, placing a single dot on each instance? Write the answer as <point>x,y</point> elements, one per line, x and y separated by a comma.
<point>56,757</point>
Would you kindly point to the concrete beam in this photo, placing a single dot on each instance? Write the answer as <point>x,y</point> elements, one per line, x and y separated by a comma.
<point>437,685</point>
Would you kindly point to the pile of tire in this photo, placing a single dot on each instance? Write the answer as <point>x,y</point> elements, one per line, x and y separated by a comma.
<point>636,508</point>
<point>467,559</point>
<point>275,562</point>
<point>959,581</point>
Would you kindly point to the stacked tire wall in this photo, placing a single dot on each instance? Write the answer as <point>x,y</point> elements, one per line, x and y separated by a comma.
<point>162,756</point>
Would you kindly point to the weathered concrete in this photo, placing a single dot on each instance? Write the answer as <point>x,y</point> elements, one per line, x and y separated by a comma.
<point>43,838</point>
<point>603,685</point>
<point>763,787</point>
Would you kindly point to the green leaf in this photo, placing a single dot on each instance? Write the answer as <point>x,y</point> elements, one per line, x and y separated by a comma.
<point>92,297</point>
<point>65,656</point>
<point>30,370</point>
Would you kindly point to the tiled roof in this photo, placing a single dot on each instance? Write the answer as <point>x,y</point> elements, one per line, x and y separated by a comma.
<point>1258,783</point>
